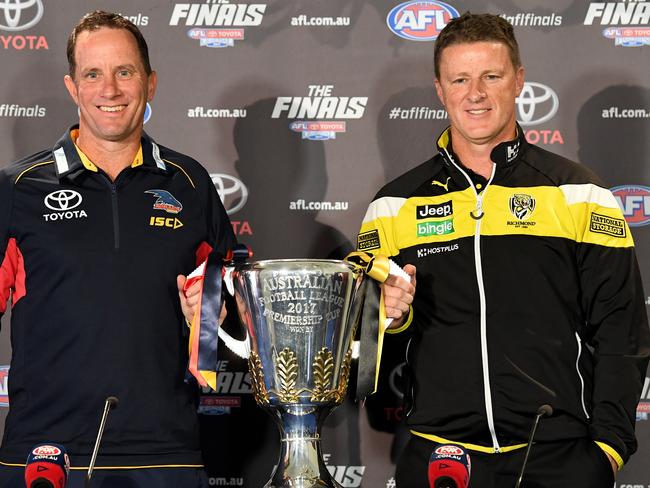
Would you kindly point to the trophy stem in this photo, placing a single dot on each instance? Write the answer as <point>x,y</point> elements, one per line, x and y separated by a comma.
<point>301,462</point>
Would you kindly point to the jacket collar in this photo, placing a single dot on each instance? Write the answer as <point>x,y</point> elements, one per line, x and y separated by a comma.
<point>70,161</point>
<point>505,154</point>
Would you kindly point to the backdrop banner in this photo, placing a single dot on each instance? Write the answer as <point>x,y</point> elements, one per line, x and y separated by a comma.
<point>301,110</point>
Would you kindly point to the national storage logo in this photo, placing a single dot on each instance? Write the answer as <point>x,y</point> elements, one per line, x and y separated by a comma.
<point>634,201</point>
<point>4,386</point>
<point>420,20</point>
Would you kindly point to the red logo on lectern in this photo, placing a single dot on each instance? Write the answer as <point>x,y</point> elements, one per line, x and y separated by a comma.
<point>4,386</point>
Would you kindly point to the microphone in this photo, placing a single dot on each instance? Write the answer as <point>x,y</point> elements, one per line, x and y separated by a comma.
<point>543,411</point>
<point>47,466</point>
<point>110,403</point>
<point>449,467</point>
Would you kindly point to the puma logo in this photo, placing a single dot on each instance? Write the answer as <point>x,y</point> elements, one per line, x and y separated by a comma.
<point>445,185</point>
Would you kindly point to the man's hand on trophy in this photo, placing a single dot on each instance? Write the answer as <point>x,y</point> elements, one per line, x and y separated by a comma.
<point>398,296</point>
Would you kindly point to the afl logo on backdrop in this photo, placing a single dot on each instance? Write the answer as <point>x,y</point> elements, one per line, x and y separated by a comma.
<point>4,386</point>
<point>20,14</point>
<point>634,201</point>
<point>420,20</point>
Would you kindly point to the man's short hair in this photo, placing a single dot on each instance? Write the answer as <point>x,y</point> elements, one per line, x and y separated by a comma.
<point>476,28</point>
<point>96,20</point>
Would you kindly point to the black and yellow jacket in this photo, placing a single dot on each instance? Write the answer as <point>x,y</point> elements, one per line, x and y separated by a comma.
<point>528,293</point>
<point>90,267</point>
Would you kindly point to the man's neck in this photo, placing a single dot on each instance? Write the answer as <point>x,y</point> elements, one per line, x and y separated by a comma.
<point>110,156</point>
<point>476,157</point>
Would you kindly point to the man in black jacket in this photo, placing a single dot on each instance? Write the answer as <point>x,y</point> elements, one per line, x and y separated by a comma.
<point>528,290</point>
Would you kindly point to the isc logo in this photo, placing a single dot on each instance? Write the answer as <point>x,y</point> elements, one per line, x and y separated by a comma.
<point>171,222</point>
<point>634,201</point>
<point>420,20</point>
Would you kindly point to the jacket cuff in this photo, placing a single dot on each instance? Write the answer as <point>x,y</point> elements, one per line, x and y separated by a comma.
<point>612,452</point>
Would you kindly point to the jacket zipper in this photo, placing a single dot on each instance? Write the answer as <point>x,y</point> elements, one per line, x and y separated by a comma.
<point>582,381</point>
<point>477,215</point>
<point>116,216</point>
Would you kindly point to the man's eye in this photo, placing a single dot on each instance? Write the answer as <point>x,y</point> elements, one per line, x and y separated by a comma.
<point>124,73</point>
<point>91,76</point>
<point>459,81</point>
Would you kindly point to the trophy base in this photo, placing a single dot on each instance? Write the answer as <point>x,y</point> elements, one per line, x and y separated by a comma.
<point>301,462</point>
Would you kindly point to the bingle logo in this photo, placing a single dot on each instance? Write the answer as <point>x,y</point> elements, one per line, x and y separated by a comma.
<point>420,20</point>
<point>233,192</point>
<point>62,200</point>
<point>536,104</point>
<point>20,14</point>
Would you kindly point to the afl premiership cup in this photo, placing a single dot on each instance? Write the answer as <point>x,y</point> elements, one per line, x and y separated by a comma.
<point>300,316</point>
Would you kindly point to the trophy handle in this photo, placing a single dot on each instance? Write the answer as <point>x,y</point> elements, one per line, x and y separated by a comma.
<point>240,348</point>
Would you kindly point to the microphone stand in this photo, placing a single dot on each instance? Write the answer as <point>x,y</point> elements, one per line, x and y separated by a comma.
<point>544,410</point>
<point>110,403</point>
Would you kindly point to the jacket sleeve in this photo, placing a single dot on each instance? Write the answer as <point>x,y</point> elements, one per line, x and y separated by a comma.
<point>7,258</point>
<point>378,236</point>
<point>616,324</point>
<point>377,229</point>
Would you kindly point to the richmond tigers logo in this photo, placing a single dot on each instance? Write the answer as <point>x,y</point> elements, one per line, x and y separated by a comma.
<point>522,205</point>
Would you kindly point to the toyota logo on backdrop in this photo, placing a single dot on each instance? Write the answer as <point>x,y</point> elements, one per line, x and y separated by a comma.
<point>62,200</point>
<point>20,14</point>
<point>536,104</point>
<point>233,192</point>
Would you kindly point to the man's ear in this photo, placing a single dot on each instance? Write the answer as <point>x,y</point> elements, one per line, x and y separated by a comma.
<point>72,88</point>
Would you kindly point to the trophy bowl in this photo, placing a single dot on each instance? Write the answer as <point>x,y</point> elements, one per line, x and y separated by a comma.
<point>300,316</point>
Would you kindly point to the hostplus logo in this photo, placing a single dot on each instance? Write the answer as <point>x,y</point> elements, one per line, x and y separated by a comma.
<point>64,204</point>
<point>628,23</point>
<point>234,195</point>
<point>323,110</point>
<point>19,15</point>
<point>420,20</point>
<point>217,23</point>
<point>537,104</point>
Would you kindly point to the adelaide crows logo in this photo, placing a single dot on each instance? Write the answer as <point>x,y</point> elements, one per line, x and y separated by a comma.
<point>521,205</point>
<point>166,201</point>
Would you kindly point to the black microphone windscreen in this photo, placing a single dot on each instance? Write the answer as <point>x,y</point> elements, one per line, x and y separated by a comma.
<point>113,402</point>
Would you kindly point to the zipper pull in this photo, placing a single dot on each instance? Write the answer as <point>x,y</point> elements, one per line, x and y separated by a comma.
<point>479,209</point>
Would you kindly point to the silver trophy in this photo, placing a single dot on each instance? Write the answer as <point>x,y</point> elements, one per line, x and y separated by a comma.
<point>300,316</point>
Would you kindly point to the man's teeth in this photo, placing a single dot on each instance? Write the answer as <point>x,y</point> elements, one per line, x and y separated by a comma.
<point>477,112</point>
<point>116,108</point>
